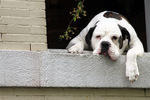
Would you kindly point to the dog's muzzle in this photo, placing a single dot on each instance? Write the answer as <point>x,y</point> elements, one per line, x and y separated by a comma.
<point>105,47</point>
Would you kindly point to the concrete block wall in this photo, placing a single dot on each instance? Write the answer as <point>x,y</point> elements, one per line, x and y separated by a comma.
<point>73,94</point>
<point>23,25</point>
<point>58,75</point>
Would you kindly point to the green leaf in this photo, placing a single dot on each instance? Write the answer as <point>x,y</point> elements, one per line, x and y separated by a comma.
<point>74,19</point>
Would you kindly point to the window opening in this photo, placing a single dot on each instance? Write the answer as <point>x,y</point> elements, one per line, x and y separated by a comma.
<point>58,17</point>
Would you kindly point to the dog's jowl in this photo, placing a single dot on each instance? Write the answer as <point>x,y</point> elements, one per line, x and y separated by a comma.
<point>109,33</point>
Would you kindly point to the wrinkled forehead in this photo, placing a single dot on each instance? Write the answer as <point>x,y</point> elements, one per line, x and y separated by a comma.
<point>107,28</point>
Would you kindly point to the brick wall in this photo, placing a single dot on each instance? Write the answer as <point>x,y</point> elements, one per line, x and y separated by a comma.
<point>23,25</point>
<point>73,94</point>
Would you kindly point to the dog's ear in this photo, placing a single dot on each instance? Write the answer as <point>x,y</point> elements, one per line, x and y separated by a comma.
<point>120,42</point>
<point>89,36</point>
<point>125,35</point>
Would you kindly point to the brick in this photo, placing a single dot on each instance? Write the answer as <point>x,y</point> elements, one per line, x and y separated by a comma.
<point>39,91</point>
<point>14,4</point>
<point>65,98</point>
<point>15,29</point>
<point>11,29</point>
<point>14,12</point>
<point>24,98</point>
<point>37,5</point>
<point>23,4</point>
<point>6,91</point>
<point>117,98</point>
<point>33,0</point>
<point>14,46</point>
<point>126,92</point>
<point>37,13</point>
<point>37,21</point>
<point>147,92</point>
<point>70,91</point>
<point>38,46</point>
<point>97,98</point>
<point>139,98</point>
<point>38,0</point>
<point>24,38</point>
<point>22,12</point>
<point>38,30</point>
<point>99,91</point>
<point>23,21</point>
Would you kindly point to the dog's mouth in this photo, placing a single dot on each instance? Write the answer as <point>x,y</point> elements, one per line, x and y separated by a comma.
<point>104,53</point>
<point>104,48</point>
<point>108,54</point>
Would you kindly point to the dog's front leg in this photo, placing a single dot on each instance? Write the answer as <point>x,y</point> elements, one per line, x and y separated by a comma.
<point>132,71</point>
<point>77,47</point>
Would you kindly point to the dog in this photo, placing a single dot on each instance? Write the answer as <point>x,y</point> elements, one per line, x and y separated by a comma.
<point>110,33</point>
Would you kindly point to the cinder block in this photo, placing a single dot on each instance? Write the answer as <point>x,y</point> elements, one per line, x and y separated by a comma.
<point>139,98</point>
<point>75,92</point>
<point>14,4</point>
<point>39,91</point>
<point>147,92</point>
<point>23,21</point>
<point>14,12</point>
<point>14,46</point>
<point>99,91</point>
<point>31,4</point>
<point>116,98</point>
<point>37,0</point>
<point>85,92</point>
<point>37,5</point>
<point>126,92</point>
<point>37,21</point>
<point>24,38</point>
<point>38,30</point>
<point>97,98</point>
<point>38,46</point>
<point>11,29</point>
<point>24,98</point>
<point>6,92</point>
<point>37,13</point>
<point>65,98</point>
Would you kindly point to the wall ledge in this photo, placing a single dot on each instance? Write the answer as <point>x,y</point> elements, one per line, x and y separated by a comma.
<point>57,68</point>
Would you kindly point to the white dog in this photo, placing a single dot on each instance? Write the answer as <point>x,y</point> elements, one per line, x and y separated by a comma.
<point>110,34</point>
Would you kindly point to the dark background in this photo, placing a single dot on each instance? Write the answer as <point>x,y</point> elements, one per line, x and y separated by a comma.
<point>58,17</point>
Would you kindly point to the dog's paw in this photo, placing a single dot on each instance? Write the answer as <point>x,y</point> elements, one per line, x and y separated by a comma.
<point>132,72</point>
<point>75,49</point>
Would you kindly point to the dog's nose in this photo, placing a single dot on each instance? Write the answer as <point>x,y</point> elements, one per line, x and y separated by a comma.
<point>105,44</point>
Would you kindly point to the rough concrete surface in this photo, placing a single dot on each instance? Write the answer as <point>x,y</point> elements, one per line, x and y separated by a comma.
<point>57,68</point>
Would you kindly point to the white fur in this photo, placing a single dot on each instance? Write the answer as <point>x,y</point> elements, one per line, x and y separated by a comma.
<point>106,28</point>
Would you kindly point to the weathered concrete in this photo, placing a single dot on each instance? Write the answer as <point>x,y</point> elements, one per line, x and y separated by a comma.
<point>19,68</point>
<point>57,68</point>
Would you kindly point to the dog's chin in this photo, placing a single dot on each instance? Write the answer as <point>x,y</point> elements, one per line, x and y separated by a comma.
<point>108,53</point>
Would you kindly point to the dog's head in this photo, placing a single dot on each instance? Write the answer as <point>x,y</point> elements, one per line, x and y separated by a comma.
<point>107,37</point>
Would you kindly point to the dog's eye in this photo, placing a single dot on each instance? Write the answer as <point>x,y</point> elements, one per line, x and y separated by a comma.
<point>98,37</point>
<point>114,38</point>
